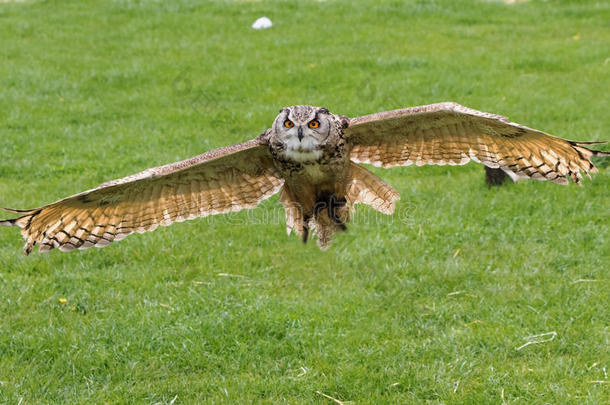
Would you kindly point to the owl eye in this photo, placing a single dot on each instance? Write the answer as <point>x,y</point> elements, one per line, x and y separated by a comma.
<point>288,124</point>
<point>314,124</point>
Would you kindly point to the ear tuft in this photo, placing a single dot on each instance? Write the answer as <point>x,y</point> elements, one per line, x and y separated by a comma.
<point>344,121</point>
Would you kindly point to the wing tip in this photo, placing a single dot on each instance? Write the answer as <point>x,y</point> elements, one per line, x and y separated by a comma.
<point>8,222</point>
<point>19,221</point>
<point>16,211</point>
<point>586,144</point>
<point>590,142</point>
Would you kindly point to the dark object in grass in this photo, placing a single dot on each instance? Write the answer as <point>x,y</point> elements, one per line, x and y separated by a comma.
<point>312,156</point>
<point>495,177</point>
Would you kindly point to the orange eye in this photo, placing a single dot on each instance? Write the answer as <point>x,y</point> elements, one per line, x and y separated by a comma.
<point>314,124</point>
<point>288,124</point>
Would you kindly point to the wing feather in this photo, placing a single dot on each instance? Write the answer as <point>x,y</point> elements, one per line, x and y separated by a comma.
<point>448,133</point>
<point>223,180</point>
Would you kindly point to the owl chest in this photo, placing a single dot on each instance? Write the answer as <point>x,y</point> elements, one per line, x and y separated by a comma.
<point>315,173</point>
<point>327,175</point>
<point>324,167</point>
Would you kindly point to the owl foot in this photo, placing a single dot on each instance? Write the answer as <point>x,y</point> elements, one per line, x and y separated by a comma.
<point>333,204</point>
<point>305,233</point>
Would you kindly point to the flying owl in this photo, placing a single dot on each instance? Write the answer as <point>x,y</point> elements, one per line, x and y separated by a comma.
<point>311,157</point>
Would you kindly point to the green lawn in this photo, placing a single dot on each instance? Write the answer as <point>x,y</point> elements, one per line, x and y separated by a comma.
<point>430,305</point>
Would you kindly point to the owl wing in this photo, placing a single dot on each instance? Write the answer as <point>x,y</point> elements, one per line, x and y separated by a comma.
<point>227,179</point>
<point>449,133</point>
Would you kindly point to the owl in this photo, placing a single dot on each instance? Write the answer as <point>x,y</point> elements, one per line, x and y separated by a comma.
<point>312,158</point>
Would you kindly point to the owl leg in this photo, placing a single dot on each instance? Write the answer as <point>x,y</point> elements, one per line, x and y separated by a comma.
<point>329,216</point>
<point>305,233</point>
<point>334,206</point>
<point>296,218</point>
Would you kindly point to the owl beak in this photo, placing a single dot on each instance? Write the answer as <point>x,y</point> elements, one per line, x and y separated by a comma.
<point>300,134</point>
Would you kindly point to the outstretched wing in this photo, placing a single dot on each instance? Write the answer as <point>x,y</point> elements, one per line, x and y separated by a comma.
<point>223,180</point>
<point>449,133</point>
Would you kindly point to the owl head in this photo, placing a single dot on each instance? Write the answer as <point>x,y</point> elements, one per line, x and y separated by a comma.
<point>302,131</point>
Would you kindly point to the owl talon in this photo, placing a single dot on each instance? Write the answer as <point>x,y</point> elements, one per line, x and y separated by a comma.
<point>305,234</point>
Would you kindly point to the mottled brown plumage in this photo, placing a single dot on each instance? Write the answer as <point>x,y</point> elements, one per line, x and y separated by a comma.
<point>220,181</point>
<point>311,155</point>
<point>448,133</point>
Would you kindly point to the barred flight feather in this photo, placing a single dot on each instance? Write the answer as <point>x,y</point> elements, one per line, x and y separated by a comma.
<point>223,180</point>
<point>448,133</point>
<point>366,188</point>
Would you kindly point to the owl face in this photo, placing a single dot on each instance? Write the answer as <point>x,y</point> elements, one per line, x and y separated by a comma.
<point>302,130</point>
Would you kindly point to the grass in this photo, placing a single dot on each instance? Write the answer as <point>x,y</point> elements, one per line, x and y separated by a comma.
<point>427,306</point>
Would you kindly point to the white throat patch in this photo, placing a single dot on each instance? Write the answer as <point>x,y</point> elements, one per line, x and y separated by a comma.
<point>305,156</point>
<point>304,150</point>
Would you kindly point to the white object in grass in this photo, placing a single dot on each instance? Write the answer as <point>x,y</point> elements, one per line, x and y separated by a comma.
<point>262,23</point>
